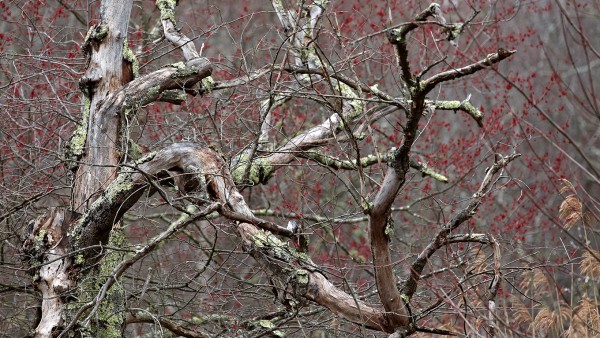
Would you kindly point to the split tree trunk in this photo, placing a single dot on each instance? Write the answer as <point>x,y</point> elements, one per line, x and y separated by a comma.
<point>65,244</point>
<point>95,150</point>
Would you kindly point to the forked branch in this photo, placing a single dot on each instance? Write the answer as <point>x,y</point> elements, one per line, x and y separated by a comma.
<point>397,37</point>
<point>465,214</point>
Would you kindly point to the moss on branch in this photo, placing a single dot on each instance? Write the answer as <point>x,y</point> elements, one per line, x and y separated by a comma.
<point>465,106</point>
<point>129,56</point>
<point>369,160</point>
<point>74,149</point>
<point>208,84</point>
<point>259,171</point>
<point>427,171</point>
<point>167,9</point>
<point>94,37</point>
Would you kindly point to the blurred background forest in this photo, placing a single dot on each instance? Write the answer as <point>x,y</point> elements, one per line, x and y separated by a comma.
<point>542,103</point>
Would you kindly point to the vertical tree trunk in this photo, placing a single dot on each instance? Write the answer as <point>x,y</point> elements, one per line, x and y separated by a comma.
<point>95,152</point>
<point>104,75</point>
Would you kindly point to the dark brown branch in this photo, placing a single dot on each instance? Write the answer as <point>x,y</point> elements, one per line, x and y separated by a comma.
<point>169,324</point>
<point>379,218</point>
<point>397,37</point>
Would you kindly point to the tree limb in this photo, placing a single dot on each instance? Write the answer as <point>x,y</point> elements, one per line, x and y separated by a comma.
<point>397,37</point>
<point>171,325</point>
<point>167,17</point>
<point>465,214</point>
<point>430,83</point>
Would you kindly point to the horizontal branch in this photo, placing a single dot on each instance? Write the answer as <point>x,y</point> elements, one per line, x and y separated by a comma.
<point>464,105</point>
<point>314,218</point>
<point>241,80</point>
<point>178,76</point>
<point>263,224</point>
<point>430,83</point>
<point>367,161</point>
<point>169,324</point>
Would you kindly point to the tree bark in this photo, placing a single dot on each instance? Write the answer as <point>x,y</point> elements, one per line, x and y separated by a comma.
<point>103,76</point>
<point>64,243</point>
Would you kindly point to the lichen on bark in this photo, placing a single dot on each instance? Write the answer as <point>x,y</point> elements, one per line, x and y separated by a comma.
<point>129,56</point>
<point>183,71</point>
<point>95,34</point>
<point>260,171</point>
<point>208,84</point>
<point>167,9</point>
<point>108,320</point>
<point>74,149</point>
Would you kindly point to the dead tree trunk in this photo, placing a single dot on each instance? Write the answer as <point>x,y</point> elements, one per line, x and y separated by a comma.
<point>66,244</point>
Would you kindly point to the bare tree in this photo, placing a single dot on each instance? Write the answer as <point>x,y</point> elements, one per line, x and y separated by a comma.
<point>79,254</point>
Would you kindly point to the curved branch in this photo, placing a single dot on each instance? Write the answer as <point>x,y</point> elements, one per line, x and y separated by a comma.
<point>398,37</point>
<point>148,88</point>
<point>167,17</point>
<point>201,171</point>
<point>465,214</point>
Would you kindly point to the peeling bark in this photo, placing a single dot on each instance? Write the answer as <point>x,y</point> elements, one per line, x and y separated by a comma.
<point>53,270</point>
<point>103,76</point>
<point>66,243</point>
